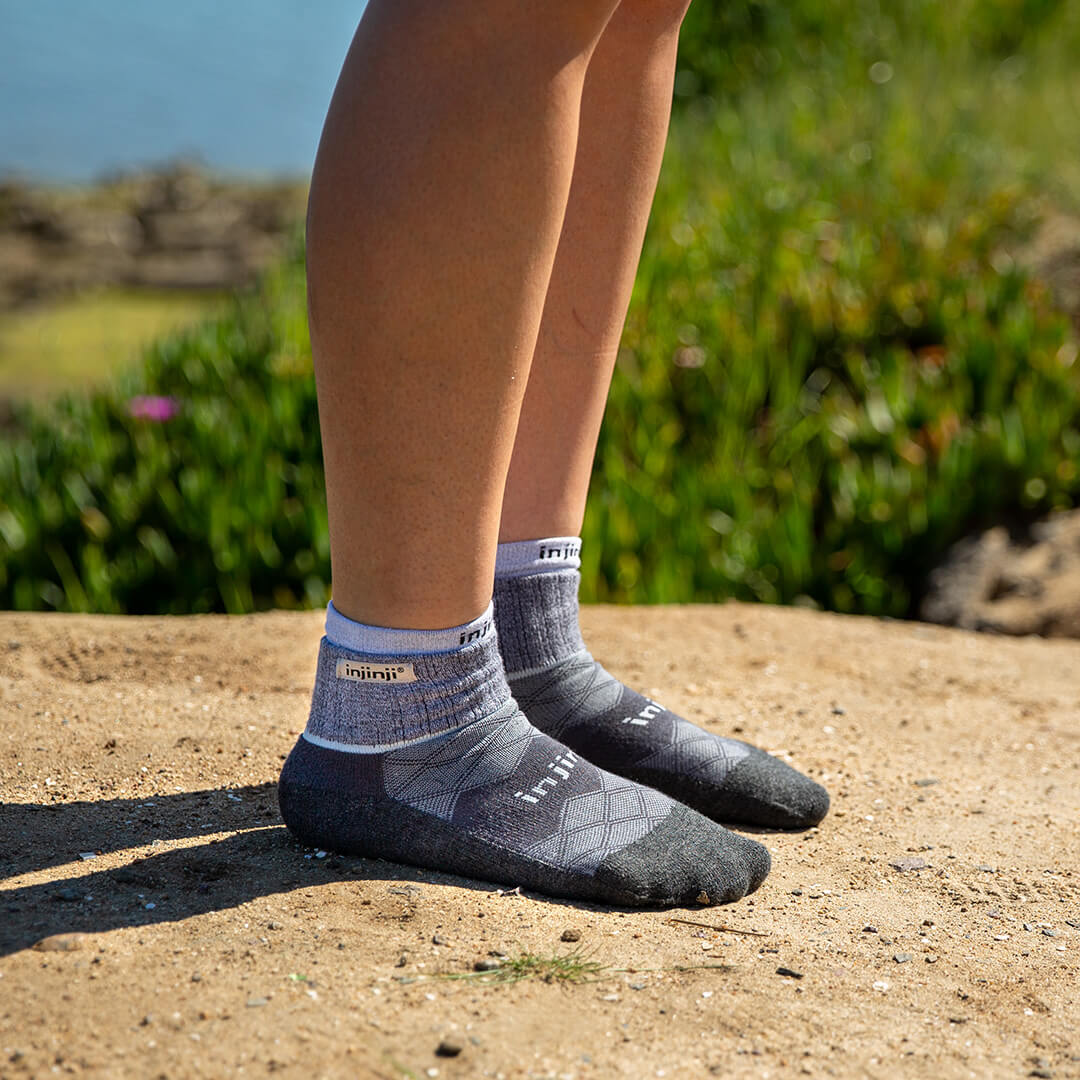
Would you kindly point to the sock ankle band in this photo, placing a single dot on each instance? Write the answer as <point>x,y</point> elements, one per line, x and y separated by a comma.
<point>521,557</point>
<point>382,640</point>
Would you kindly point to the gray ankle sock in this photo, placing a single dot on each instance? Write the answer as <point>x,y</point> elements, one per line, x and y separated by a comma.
<point>424,758</point>
<point>568,695</point>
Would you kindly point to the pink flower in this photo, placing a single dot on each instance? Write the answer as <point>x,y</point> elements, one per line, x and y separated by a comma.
<point>153,407</point>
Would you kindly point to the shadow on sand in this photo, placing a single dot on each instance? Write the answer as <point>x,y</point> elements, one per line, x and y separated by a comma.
<point>260,858</point>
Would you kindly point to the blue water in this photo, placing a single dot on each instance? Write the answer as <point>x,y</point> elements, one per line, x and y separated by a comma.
<point>242,85</point>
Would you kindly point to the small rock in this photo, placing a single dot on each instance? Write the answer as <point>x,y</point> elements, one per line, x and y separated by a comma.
<point>927,781</point>
<point>796,892</point>
<point>196,977</point>
<point>69,895</point>
<point>906,864</point>
<point>1045,1073</point>
<point>931,959</point>
<point>449,1047</point>
<point>87,855</point>
<point>789,973</point>
<point>1050,933</point>
<point>885,940</point>
<point>869,930</point>
<point>438,939</point>
<point>402,960</point>
<point>60,943</point>
<point>486,965</point>
<point>1027,926</point>
<point>570,934</point>
<point>839,710</point>
<point>986,869</point>
<point>273,926</point>
<point>257,1002</point>
<point>902,957</point>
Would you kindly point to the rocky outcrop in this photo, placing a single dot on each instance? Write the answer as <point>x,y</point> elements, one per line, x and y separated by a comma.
<point>1006,585</point>
<point>177,228</point>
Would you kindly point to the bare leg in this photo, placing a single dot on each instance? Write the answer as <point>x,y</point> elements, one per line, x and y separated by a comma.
<point>436,204</point>
<point>624,121</point>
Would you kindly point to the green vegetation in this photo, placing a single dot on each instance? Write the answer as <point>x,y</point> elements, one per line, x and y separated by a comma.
<point>834,365</point>
<point>82,341</point>
<point>573,967</point>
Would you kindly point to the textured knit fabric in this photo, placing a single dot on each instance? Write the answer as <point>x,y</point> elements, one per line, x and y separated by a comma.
<point>566,693</point>
<point>499,800</point>
<point>445,691</point>
<point>425,758</point>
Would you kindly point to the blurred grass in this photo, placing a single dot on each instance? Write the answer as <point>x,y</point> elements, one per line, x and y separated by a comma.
<point>834,364</point>
<point>82,341</point>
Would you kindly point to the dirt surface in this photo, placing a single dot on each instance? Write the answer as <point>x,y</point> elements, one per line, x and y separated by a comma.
<point>137,769</point>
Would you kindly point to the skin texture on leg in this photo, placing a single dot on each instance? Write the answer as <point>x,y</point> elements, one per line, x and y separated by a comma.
<point>624,120</point>
<point>436,205</point>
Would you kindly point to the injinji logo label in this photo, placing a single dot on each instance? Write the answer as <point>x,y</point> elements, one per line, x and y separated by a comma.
<point>362,671</point>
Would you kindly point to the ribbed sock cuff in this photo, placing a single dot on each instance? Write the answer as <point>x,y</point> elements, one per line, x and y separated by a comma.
<point>537,620</point>
<point>382,688</point>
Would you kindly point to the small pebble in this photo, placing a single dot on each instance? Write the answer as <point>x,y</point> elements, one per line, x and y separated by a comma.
<point>927,781</point>
<point>789,973</point>
<point>1027,926</point>
<point>196,977</point>
<point>486,965</point>
<point>273,926</point>
<point>1050,933</point>
<point>570,935</point>
<point>902,957</point>
<point>449,1047</point>
<point>60,943</point>
<point>68,894</point>
<point>438,939</point>
<point>257,1002</point>
<point>931,959</point>
<point>915,863</point>
<point>402,960</point>
<point>869,930</point>
<point>796,892</point>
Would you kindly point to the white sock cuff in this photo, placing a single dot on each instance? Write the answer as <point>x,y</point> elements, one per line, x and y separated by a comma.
<point>386,641</point>
<point>521,557</point>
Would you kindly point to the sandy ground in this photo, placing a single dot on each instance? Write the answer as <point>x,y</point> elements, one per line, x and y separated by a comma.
<point>138,759</point>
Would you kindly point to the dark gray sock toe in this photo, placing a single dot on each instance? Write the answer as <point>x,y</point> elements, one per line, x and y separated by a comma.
<point>686,859</point>
<point>763,790</point>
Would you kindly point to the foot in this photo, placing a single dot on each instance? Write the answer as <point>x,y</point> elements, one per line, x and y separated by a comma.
<point>498,800</point>
<point>594,714</point>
